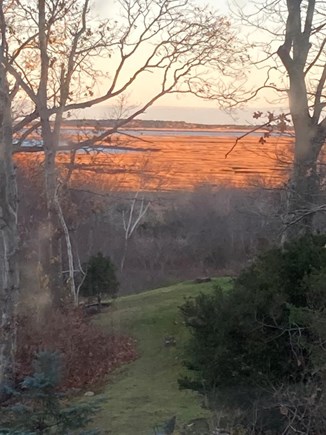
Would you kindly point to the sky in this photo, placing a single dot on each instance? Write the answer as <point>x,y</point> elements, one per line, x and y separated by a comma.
<point>180,107</point>
<point>193,114</point>
<point>204,114</point>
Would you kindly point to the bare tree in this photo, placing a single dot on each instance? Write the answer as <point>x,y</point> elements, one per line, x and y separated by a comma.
<point>9,282</point>
<point>295,37</point>
<point>51,50</point>
<point>137,210</point>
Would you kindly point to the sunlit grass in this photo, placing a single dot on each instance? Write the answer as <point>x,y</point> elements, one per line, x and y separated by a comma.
<point>182,162</point>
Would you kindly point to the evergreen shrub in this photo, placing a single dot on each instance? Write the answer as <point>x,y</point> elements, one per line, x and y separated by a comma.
<point>100,278</point>
<point>266,334</point>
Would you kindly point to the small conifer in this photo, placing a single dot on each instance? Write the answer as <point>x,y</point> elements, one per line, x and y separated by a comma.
<point>37,407</point>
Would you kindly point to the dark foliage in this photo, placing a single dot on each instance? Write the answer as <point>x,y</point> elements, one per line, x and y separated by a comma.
<point>100,279</point>
<point>36,407</point>
<point>266,334</point>
<point>88,353</point>
<point>167,428</point>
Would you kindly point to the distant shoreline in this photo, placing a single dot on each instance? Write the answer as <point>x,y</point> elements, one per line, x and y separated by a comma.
<point>137,124</point>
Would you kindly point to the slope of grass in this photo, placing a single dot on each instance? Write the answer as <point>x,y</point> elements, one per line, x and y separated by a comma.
<point>145,393</point>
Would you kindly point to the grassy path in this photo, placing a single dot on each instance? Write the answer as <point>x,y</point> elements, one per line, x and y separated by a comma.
<point>145,393</point>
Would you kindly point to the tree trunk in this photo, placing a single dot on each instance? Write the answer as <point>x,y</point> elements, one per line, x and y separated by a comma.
<point>9,281</point>
<point>124,255</point>
<point>51,260</point>
<point>304,185</point>
<point>51,257</point>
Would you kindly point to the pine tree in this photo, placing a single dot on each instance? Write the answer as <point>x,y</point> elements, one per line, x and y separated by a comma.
<point>100,278</point>
<point>36,407</point>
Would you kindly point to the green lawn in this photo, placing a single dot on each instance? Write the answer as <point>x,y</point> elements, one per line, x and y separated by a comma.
<point>145,393</point>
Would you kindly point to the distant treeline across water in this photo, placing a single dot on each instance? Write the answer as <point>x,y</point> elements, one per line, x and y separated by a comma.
<point>206,133</point>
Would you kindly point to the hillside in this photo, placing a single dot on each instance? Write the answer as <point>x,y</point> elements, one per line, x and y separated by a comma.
<point>145,393</point>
